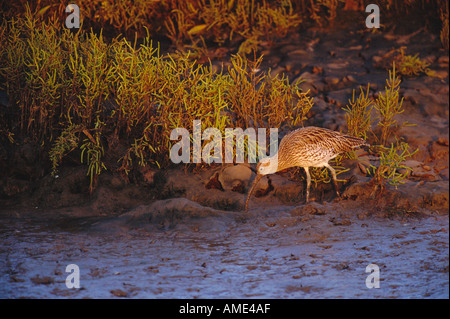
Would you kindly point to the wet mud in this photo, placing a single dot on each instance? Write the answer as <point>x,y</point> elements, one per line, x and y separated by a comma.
<point>284,252</point>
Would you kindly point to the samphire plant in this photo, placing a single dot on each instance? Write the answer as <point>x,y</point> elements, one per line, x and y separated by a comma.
<point>386,144</point>
<point>114,103</point>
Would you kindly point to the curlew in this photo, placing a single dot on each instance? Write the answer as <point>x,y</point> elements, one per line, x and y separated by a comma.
<point>307,147</point>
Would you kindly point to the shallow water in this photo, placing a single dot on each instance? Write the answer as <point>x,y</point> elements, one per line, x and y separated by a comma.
<point>268,256</point>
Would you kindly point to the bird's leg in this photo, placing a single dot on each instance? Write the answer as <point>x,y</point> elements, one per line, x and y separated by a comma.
<point>333,173</point>
<point>308,183</point>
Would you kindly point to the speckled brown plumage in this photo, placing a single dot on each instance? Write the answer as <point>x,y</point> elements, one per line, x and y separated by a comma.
<point>310,146</point>
<point>307,147</point>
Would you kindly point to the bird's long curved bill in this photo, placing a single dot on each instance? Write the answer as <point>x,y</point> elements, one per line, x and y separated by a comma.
<point>257,178</point>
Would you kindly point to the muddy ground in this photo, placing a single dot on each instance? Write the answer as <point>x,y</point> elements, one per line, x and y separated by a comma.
<point>287,252</point>
<point>182,233</point>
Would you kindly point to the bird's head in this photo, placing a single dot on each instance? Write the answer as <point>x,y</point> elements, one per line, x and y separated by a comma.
<point>267,165</point>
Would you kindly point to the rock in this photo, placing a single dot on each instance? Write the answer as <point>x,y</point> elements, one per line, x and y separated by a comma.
<point>181,205</point>
<point>288,48</point>
<point>264,191</point>
<point>14,186</point>
<point>358,190</point>
<point>238,186</point>
<point>273,60</point>
<point>339,97</point>
<point>418,169</point>
<point>444,90</point>
<point>412,95</point>
<point>433,195</point>
<point>412,163</point>
<point>232,175</point>
<point>286,190</point>
<point>441,74</point>
<point>148,174</point>
<point>278,71</point>
<point>309,87</point>
<point>377,61</point>
<point>309,77</point>
<point>320,104</point>
<point>442,141</point>
<point>262,185</point>
<point>314,209</point>
<point>311,82</point>
<point>42,280</point>
<point>119,293</point>
<point>439,149</point>
<point>349,78</point>
<point>214,183</point>
<point>297,52</point>
<point>425,174</point>
<point>443,60</point>
<point>311,44</point>
<point>317,70</point>
<point>338,65</point>
<point>444,173</point>
<point>356,47</point>
<point>363,168</point>
<point>165,213</point>
<point>340,221</point>
<point>332,80</point>
<point>439,158</point>
<point>311,208</point>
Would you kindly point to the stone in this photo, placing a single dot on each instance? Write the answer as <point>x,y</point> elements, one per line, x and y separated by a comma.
<point>230,176</point>
<point>441,74</point>
<point>338,65</point>
<point>349,78</point>
<point>339,97</point>
<point>306,86</point>
<point>320,104</point>
<point>148,174</point>
<point>332,80</point>
<point>297,52</point>
<point>278,71</point>
<point>317,70</point>
<point>443,60</point>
